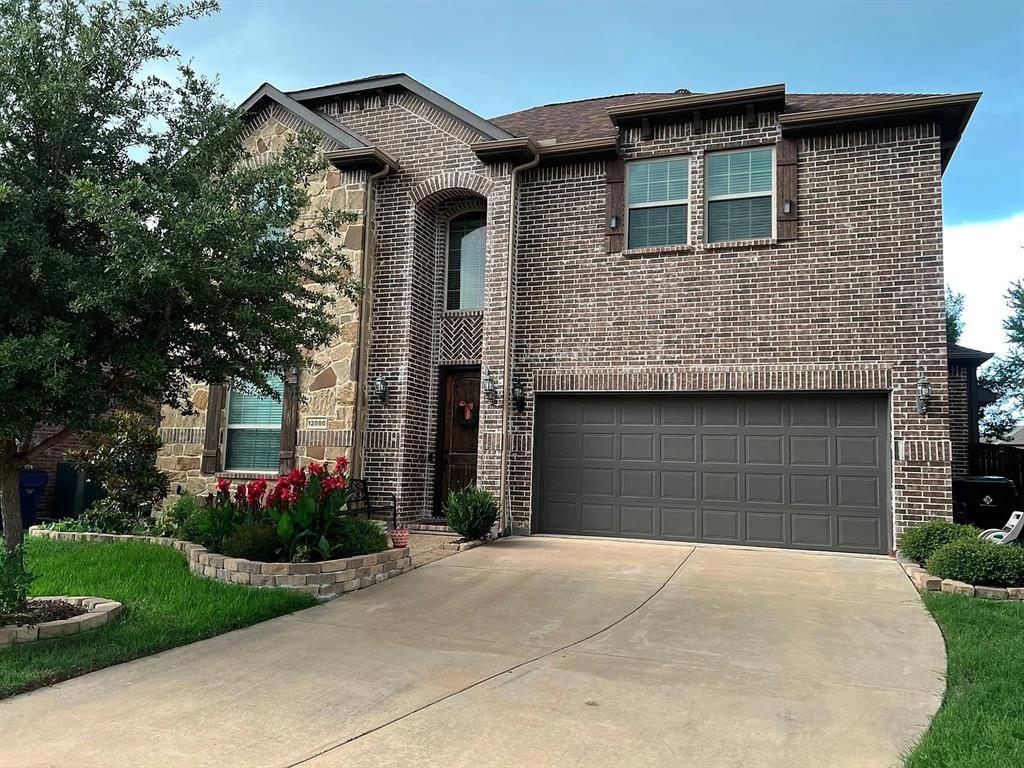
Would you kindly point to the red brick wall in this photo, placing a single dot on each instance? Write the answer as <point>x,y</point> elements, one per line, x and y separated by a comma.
<point>959,419</point>
<point>439,174</point>
<point>860,290</point>
<point>855,303</point>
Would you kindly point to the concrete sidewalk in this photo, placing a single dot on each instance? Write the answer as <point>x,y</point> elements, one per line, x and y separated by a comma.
<point>533,651</point>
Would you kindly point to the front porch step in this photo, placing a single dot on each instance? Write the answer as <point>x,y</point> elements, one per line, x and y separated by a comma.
<point>430,525</point>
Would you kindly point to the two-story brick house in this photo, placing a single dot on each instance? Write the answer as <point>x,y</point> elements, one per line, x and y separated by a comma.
<point>713,317</point>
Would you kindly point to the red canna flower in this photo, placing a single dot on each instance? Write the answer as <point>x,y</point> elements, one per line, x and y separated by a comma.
<point>223,484</point>
<point>340,464</point>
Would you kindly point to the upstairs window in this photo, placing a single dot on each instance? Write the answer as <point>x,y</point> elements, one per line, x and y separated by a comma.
<point>253,430</point>
<point>657,202</point>
<point>467,246</point>
<point>739,195</point>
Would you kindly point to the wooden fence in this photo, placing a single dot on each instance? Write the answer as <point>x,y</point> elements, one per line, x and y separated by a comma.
<point>1003,460</point>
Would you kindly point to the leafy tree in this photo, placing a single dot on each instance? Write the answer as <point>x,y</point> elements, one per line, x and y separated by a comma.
<point>1005,375</point>
<point>954,312</point>
<point>138,248</point>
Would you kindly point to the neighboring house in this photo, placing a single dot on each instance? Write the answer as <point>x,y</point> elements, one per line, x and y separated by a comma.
<point>1015,437</point>
<point>966,399</point>
<point>658,315</point>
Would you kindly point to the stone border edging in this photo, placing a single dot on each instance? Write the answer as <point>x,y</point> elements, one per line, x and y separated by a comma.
<point>325,580</point>
<point>100,611</point>
<point>461,546</point>
<point>925,582</point>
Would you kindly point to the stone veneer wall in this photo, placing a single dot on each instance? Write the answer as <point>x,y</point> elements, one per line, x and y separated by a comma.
<point>325,579</point>
<point>328,388</point>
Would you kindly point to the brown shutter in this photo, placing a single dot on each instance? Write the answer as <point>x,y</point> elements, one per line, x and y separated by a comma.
<point>615,210</point>
<point>785,189</point>
<point>211,462</point>
<point>289,423</point>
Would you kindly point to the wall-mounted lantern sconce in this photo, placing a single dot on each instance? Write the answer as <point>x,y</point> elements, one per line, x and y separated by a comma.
<point>787,206</point>
<point>518,396</point>
<point>924,395</point>
<point>613,222</point>
<point>380,389</point>
<point>490,385</point>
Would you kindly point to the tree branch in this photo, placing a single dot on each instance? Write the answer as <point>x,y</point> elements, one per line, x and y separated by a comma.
<point>45,443</point>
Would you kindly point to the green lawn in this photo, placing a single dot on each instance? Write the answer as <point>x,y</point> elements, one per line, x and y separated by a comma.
<point>165,606</point>
<point>981,722</point>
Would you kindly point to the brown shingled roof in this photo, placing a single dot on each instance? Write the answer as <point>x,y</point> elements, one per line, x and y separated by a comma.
<point>588,119</point>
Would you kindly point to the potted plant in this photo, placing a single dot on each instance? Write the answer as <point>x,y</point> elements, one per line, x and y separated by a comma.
<point>400,536</point>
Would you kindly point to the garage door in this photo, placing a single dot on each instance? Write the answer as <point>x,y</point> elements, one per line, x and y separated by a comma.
<point>787,471</point>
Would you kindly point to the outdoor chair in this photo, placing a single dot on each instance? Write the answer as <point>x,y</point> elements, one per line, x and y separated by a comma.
<point>1009,533</point>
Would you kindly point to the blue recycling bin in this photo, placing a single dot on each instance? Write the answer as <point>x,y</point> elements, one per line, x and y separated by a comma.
<point>32,483</point>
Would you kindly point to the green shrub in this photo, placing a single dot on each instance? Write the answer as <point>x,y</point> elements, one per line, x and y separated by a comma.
<point>194,527</point>
<point>472,512</point>
<point>351,536</point>
<point>14,581</point>
<point>122,458</point>
<point>175,514</point>
<point>253,542</point>
<point>979,562</point>
<point>109,516</point>
<point>66,525</point>
<point>918,543</point>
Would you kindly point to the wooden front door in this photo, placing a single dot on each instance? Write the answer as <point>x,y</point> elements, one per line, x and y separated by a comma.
<point>458,427</point>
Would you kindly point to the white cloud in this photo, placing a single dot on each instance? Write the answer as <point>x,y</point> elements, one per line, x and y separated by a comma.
<point>981,261</point>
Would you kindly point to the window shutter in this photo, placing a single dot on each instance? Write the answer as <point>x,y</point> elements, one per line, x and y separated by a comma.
<point>289,423</point>
<point>785,181</point>
<point>615,210</point>
<point>210,463</point>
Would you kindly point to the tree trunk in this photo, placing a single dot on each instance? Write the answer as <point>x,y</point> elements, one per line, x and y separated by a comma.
<point>10,465</point>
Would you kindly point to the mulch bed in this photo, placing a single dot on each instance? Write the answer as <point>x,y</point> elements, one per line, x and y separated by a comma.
<point>43,610</point>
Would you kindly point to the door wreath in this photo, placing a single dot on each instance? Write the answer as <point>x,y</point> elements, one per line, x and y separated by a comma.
<point>468,414</point>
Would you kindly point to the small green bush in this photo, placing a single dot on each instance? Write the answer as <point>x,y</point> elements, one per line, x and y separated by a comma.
<point>195,526</point>
<point>353,536</point>
<point>918,543</point>
<point>472,512</point>
<point>109,516</point>
<point>175,514</point>
<point>14,581</point>
<point>253,542</point>
<point>979,562</point>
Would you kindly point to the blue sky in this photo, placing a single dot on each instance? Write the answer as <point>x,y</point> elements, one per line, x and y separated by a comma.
<point>498,57</point>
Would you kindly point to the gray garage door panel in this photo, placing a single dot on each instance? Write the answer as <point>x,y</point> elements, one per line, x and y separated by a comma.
<point>804,471</point>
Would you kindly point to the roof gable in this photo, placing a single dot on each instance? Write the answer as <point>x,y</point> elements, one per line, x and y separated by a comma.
<point>336,137</point>
<point>485,128</point>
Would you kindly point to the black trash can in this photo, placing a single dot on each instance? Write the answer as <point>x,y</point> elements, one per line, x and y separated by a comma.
<point>984,501</point>
<point>32,483</point>
<point>74,492</point>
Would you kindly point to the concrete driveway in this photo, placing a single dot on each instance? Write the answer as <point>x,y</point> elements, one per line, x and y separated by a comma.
<point>531,652</point>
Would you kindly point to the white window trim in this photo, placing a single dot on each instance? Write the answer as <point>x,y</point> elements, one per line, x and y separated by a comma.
<point>229,426</point>
<point>661,204</point>
<point>447,252</point>
<point>708,199</point>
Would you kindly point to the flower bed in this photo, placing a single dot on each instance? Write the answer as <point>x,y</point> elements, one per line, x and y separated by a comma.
<point>97,612</point>
<point>325,579</point>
